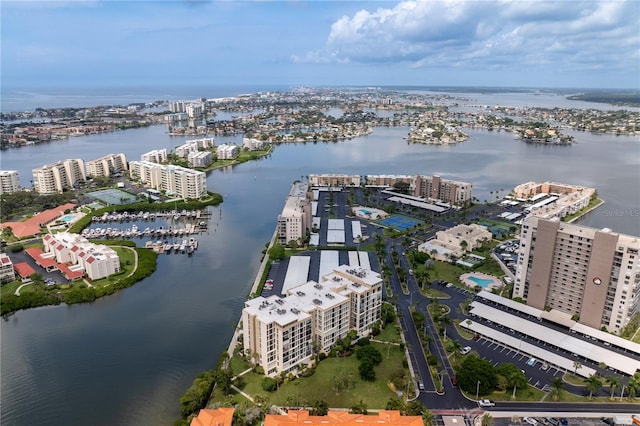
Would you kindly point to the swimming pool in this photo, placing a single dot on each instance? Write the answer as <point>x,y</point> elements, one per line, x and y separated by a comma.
<point>365,211</point>
<point>480,281</point>
<point>67,218</point>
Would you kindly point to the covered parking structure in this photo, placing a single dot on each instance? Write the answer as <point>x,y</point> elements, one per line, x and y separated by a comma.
<point>534,351</point>
<point>557,339</point>
<point>564,320</point>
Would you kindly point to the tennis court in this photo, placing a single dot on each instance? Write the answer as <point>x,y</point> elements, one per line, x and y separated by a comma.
<point>113,197</point>
<point>399,222</point>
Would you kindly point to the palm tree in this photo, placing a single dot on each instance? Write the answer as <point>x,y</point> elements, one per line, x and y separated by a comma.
<point>517,379</point>
<point>487,420</point>
<point>455,346</point>
<point>613,382</point>
<point>428,418</point>
<point>576,366</point>
<point>557,384</point>
<point>593,384</point>
<point>634,386</point>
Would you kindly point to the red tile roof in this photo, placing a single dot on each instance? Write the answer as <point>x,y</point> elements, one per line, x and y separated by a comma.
<point>68,273</point>
<point>219,417</point>
<point>36,254</point>
<point>32,225</point>
<point>91,259</point>
<point>24,269</point>
<point>4,259</point>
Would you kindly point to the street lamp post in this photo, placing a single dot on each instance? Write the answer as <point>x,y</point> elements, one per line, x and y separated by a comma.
<point>477,389</point>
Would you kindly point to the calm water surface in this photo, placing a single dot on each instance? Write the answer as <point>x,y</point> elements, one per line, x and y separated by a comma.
<point>127,358</point>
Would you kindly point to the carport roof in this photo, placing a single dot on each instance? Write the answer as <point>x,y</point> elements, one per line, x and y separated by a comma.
<point>534,312</point>
<point>527,348</point>
<point>558,339</point>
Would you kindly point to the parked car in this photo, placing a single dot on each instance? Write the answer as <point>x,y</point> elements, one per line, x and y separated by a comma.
<point>530,420</point>
<point>486,403</point>
<point>465,350</point>
<point>545,367</point>
<point>420,385</point>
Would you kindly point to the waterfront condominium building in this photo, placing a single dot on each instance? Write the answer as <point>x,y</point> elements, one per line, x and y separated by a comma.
<point>9,182</point>
<point>194,146</point>
<point>173,180</point>
<point>54,178</point>
<point>388,181</point>
<point>295,219</point>
<point>280,333</point>
<point>227,152</point>
<point>554,200</point>
<point>200,159</point>
<point>7,273</point>
<point>97,261</point>
<point>107,165</point>
<point>589,273</point>
<point>334,180</point>
<point>155,156</point>
<point>437,188</point>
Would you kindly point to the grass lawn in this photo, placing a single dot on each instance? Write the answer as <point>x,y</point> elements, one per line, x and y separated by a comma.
<point>391,333</point>
<point>636,338</point>
<point>463,333</point>
<point>435,293</point>
<point>447,272</point>
<point>320,386</point>
<point>10,288</point>
<point>525,394</point>
<point>574,380</point>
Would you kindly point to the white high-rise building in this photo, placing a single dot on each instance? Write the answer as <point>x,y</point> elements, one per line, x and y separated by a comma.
<point>174,180</point>
<point>295,219</point>
<point>589,273</point>
<point>53,178</point>
<point>9,182</point>
<point>155,156</point>
<point>281,333</point>
<point>107,165</point>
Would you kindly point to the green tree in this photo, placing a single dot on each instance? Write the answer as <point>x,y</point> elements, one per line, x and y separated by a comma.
<point>269,384</point>
<point>360,408</point>
<point>634,385</point>
<point>276,252</point>
<point>593,384</point>
<point>455,347</point>
<point>369,352</point>
<point>487,420</point>
<point>475,373</point>
<point>319,408</point>
<point>576,366</point>
<point>366,370</point>
<point>614,383</point>
<point>557,384</point>
<point>414,408</point>
<point>395,403</point>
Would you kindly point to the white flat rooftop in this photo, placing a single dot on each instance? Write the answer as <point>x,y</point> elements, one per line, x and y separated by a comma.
<point>329,260</point>
<point>532,350</point>
<point>297,272</point>
<point>335,224</point>
<point>558,339</point>
<point>356,229</point>
<point>335,236</point>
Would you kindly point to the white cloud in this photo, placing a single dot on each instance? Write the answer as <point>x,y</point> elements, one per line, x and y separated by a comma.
<point>492,34</point>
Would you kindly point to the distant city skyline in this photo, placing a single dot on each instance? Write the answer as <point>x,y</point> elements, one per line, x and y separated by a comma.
<point>423,43</point>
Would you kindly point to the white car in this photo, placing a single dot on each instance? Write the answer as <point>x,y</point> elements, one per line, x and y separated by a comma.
<point>465,350</point>
<point>530,420</point>
<point>486,403</point>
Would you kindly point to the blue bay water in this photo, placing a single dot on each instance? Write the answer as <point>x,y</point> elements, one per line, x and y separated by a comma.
<point>126,359</point>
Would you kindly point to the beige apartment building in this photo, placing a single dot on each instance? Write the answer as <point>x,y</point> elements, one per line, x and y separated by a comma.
<point>437,188</point>
<point>334,180</point>
<point>9,182</point>
<point>554,200</point>
<point>590,273</point>
<point>107,165</point>
<point>456,241</point>
<point>388,181</point>
<point>53,178</point>
<point>295,219</point>
<point>280,333</point>
<point>155,156</point>
<point>173,180</point>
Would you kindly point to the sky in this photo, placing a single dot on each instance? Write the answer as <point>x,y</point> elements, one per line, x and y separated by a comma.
<point>592,44</point>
